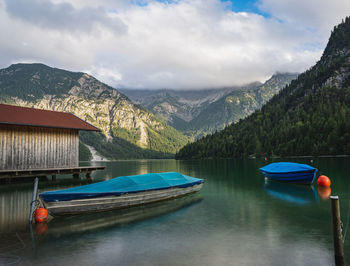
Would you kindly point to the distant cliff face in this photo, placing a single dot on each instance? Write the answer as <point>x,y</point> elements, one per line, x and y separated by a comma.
<point>200,112</point>
<point>177,107</point>
<point>39,86</point>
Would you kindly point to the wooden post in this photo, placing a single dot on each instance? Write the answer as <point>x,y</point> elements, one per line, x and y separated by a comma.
<point>337,232</point>
<point>32,205</point>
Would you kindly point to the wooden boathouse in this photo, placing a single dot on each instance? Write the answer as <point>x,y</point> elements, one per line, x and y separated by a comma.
<point>36,142</point>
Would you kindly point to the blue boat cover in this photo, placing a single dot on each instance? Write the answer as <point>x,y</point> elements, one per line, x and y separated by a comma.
<point>285,167</point>
<point>121,185</point>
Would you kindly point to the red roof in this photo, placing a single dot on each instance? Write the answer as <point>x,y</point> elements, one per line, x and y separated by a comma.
<point>16,115</point>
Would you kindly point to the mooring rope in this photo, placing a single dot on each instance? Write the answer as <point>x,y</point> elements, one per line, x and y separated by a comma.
<point>37,203</point>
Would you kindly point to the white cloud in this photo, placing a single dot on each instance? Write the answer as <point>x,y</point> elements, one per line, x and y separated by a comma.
<point>62,16</point>
<point>318,16</point>
<point>186,44</point>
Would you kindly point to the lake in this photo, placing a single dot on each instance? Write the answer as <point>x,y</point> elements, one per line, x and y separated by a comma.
<point>238,218</point>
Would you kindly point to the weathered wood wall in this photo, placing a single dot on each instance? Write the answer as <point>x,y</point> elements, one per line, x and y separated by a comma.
<point>24,147</point>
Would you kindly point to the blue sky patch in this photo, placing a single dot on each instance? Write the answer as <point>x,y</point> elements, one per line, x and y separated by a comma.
<point>249,6</point>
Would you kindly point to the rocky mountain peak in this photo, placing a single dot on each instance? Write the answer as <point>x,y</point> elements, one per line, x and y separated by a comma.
<point>122,123</point>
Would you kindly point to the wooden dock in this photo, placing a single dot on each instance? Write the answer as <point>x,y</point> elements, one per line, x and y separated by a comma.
<point>75,171</point>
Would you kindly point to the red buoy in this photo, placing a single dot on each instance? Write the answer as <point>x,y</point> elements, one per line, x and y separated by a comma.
<point>323,181</point>
<point>41,215</point>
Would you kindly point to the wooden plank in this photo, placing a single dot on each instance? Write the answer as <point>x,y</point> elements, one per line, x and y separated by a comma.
<point>58,140</point>
<point>76,151</point>
<point>28,153</point>
<point>34,149</point>
<point>66,154</point>
<point>46,140</point>
<point>38,149</point>
<point>71,159</point>
<point>20,148</point>
<point>19,162</point>
<point>73,148</point>
<point>31,151</point>
<point>45,172</point>
<point>59,143</point>
<point>76,143</point>
<point>13,148</point>
<point>2,148</point>
<point>17,150</point>
<point>49,150</point>
<point>57,146</point>
<point>41,148</point>
<point>25,150</point>
<point>63,148</point>
<point>9,149</point>
<point>53,151</point>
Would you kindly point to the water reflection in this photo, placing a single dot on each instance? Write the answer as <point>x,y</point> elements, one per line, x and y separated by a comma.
<point>15,201</point>
<point>237,221</point>
<point>295,194</point>
<point>324,192</point>
<point>70,225</point>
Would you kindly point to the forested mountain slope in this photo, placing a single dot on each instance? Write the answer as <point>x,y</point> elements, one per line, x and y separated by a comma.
<point>236,105</point>
<point>128,130</point>
<point>311,116</point>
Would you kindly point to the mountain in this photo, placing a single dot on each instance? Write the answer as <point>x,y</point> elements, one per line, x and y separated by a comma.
<point>128,130</point>
<point>236,105</point>
<point>177,107</point>
<point>199,112</point>
<point>308,117</point>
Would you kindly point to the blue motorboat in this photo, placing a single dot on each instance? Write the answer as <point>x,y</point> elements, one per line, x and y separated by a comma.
<point>290,172</point>
<point>120,192</point>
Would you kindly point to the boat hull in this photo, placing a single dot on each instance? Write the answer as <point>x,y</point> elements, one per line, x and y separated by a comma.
<point>302,177</point>
<point>105,203</point>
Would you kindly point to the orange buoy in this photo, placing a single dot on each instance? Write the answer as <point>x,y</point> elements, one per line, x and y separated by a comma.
<point>323,181</point>
<point>41,215</point>
<point>324,192</point>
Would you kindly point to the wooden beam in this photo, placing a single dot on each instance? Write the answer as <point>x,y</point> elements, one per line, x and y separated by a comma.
<point>48,171</point>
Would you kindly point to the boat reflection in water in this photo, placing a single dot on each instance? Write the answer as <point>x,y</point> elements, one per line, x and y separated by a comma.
<point>99,221</point>
<point>291,193</point>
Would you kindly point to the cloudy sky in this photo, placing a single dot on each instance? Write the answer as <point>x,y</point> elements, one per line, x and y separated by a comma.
<point>181,44</point>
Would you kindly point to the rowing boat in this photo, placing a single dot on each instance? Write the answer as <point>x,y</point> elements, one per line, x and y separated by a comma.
<point>120,192</point>
<point>290,172</point>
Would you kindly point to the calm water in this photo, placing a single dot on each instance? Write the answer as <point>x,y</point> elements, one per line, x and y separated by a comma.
<point>237,219</point>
